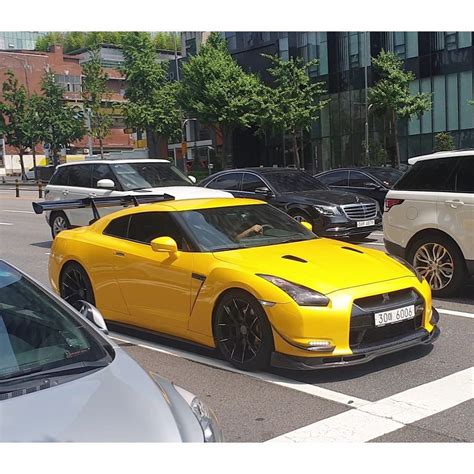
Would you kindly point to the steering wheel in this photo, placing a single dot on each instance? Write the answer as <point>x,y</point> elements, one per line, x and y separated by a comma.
<point>266,226</point>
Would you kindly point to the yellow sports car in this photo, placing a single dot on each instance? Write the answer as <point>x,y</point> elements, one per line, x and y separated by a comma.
<point>240,275</point>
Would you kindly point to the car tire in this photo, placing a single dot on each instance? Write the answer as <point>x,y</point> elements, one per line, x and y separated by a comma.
<point>58,222</point>
<point>242,332</point>
<point>75,285</point>
<point>445,278</point>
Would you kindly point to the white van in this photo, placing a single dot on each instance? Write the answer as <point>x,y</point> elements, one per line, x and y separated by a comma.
<point>95,178</point>
<point>429,219</point>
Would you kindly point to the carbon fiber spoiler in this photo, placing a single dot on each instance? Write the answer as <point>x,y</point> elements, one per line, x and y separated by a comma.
<point>98,202</point>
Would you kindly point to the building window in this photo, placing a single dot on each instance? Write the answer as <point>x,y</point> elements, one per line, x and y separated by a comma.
<point>439,104</point>
<point>68,83</point>
<point>466,112</point>
<point>190,45</point>
<point>451,40</point>
<point>283,48</point>
<point>452,101</point>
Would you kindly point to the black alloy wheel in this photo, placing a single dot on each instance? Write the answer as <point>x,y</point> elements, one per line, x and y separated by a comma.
<point>242,331</point>
<point>75,286</point>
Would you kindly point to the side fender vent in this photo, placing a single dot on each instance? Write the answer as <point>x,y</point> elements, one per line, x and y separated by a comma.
<point>295,258</point>
<point>352,249</point>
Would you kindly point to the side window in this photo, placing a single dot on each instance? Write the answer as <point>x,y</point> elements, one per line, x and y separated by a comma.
<point>227,181</point>
<point>60,177</point>
<point>146,226</point>
<point>465,176</point>
<point>118,227</point>
<point>252,182</point>
<point>80,176</point>
<point>430,175</point>
<point>359,180</point>
<point>102,171</point>
<point>335,178</point>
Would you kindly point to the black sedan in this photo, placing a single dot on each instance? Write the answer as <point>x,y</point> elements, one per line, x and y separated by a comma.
<point>374,182</point>
<point>331,213</point>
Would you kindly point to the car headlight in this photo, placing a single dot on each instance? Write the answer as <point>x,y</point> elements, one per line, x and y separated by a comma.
<point>302,295</point>
<point>207,420</point>
<point>409,266</point>
<point>327,210</point>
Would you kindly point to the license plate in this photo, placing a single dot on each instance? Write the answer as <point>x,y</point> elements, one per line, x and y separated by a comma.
<point>365,223</point>
<point>394,315</point>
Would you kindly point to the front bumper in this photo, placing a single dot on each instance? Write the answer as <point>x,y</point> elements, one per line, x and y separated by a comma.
<point>359,356</point>
<point>341,226</point>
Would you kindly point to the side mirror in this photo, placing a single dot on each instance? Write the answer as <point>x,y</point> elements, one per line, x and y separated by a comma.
<point>105,184</point>
<point>192,179</point>
<point>307,225</point>
<point>92,314</point>
<point>263,190</point>
<point>164,244</point>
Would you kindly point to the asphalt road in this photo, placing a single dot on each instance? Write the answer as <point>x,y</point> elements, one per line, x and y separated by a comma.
<point>424,394</point>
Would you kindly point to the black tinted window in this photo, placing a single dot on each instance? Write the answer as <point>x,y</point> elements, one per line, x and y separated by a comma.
<point>252,182</point>
<point>287,181</point>
<point>118,227</point>
<point>360,180</point>
<point>102,171</point>
<point>388,176</point>
<point>80,176</point>
<point>230,181</point>
<point>465,179</point>
<point>146,226</point>
<point>430,175</point>
<point>335,178</point>
<point>60,177</point>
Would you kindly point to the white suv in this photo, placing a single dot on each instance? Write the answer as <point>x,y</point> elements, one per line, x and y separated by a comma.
<point>95,178</point>
<point>429,219</point>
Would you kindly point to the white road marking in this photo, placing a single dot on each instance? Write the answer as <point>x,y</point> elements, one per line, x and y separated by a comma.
<point>455,313</point>
<point>375,419</point>
<point>320,392</point>
<point>21,212</point>
<point>6,223</point>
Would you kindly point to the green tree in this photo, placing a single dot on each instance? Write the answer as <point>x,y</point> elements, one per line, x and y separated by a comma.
<point>151,101</point>
<point>19,122</point>
<point>292,104</point>
<point>62,124</point>
<point>391,97</point>
<point>444,142</point>
<point>219,93</point>
<point>97,99</point>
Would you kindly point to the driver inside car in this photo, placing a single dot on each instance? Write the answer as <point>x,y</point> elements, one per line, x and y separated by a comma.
<point>255,229</point>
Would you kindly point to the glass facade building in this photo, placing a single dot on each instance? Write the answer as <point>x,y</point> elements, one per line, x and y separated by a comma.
<point>443,65</point>
<point>19,39</point>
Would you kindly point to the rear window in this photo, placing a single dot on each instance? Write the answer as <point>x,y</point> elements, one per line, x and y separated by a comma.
<point>430,175</point>
<point>335,178</point>
<point>60,177</point>
<point>465,178</point>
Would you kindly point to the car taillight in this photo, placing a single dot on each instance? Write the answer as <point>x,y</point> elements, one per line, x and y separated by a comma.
<point>389,203</point>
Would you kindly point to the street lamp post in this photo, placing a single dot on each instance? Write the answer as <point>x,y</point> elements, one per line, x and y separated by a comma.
<point>183,136</point>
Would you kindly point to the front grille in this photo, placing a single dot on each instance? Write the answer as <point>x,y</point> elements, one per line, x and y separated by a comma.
<point>360,211</point>
<point>364,333</point>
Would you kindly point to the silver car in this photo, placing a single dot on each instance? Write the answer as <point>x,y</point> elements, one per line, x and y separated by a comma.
<point>63,379</point>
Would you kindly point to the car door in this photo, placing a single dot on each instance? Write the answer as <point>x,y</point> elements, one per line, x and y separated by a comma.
<point>456,207</point>
<point>79,187</point>
<point>361,183</point>
<point>230,182</point>
<point>336,179</point>
<point>155,285</point>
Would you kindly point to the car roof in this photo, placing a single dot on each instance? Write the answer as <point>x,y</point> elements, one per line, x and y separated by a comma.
<point>440,154</point>
<point>88,162</point>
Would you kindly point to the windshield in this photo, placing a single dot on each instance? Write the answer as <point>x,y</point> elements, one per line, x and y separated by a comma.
<point>388,176</point>
<point>235,227</point>
<point>138,175</point>
<point>293,181</point>
<point>36,332</point>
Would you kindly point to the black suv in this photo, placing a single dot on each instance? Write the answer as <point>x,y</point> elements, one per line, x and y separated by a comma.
<point>331,213</point>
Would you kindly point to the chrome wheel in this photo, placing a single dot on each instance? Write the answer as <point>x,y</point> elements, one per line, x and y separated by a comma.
<point>435,263</point>
<point>59,224</point>
<point>238,331</point>
<point>75,287</point>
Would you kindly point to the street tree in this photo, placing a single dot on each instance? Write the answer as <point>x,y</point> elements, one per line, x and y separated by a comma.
<point>444,142</point>
<point>61,123</point>
<point>18,118</point>
<point>97,99</point>
<point>391,97</point>
<point>217,92</point>
<point>151,100</point>
<point>293,101</point>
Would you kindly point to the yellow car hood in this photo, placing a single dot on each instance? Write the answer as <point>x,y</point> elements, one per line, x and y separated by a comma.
<point>322,264</point>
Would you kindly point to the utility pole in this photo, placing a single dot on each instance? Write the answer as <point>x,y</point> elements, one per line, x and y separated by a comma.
<point>89,128</point>
<point>176,55</point>
<point>366,65</point>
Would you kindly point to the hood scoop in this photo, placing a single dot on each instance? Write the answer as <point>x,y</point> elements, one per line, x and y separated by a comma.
<point>352,249</point>
<point>295,258</point>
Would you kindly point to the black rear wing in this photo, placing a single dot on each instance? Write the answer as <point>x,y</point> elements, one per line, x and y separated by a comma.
<point>97,202</point>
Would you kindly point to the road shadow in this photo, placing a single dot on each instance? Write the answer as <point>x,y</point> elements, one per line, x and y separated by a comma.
<point>43,245</point>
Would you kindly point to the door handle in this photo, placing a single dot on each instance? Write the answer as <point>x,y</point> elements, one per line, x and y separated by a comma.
<point>65,192</point>
<point>92,195</point>
<point>119,254</point>
<point>454,203</point>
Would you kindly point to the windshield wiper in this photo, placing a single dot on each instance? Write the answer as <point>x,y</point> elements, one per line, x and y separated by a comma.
<point>40,371</point>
